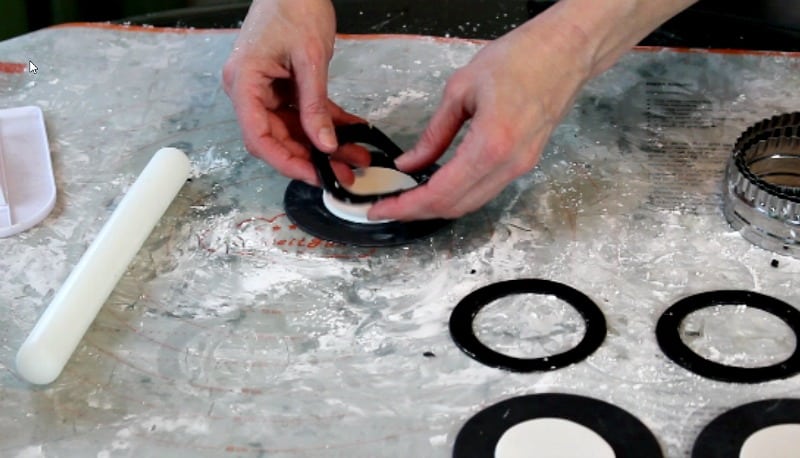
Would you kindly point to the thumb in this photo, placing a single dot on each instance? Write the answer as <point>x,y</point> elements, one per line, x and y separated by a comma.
<point>311,77</point>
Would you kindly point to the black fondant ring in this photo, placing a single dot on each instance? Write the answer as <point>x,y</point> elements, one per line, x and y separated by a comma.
<point>357,133</point>
<point>304,207</point>
<point>627,436</point>
<point>726,434</point>
<point>669,338</point>
<point>463,334</point>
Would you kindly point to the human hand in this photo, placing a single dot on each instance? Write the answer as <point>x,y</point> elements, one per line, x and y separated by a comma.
<point>277,78</point>
<point>514,92</point>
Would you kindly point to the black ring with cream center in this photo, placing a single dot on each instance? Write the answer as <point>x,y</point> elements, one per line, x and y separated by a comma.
<point>725,436</point>
<point>627,436</point>
<point>463,332</point>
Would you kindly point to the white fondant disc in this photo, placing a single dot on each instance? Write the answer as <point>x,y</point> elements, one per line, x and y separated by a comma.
<point>551,438</point>
<point>371,180</point>
<point>779,441</point>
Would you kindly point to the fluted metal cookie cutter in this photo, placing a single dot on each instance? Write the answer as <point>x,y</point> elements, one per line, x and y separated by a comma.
<point>762,181</point>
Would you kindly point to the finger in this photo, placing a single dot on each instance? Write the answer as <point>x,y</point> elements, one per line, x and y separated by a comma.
<point>261,131</point>
<point>253,99</point>
<point>343,173</point>
<point>252,107</point>
<point>441,193</point>
<point>310,70</point>
<point>426,202</point>
<point>353,154</point>
<point>488,159</point>
<point>481,193</point>
<point>300,160</point>
<point>342,117</point>
<point>290,121</point>
<point>450,115</point>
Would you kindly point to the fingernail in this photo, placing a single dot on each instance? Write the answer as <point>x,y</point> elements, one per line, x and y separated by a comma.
<point>327,138</point>
<point>402,161</point>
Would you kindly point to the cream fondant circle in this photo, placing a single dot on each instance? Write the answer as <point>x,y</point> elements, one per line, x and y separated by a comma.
<point>779,441</point>
<point>370,180</point>
<point>551,438</point>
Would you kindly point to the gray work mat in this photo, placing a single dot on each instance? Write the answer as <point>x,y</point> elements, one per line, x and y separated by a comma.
<point>235,334</point>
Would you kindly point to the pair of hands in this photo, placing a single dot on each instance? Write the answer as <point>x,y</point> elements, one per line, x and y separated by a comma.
<point>513,94</point>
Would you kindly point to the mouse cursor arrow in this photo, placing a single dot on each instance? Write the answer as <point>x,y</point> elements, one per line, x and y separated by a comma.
<point>32,68</point>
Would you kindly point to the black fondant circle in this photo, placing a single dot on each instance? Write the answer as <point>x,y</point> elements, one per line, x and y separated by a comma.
<point>463,333</point>
<point>669,338</point>
<point>726,434</point>
<point>304,207</point>
<point>627,436</point>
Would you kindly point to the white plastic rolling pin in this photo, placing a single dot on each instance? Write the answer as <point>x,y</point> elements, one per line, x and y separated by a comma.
<point>45,352</point>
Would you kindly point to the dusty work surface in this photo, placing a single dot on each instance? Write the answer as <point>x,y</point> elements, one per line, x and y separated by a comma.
<point>234,334</point>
